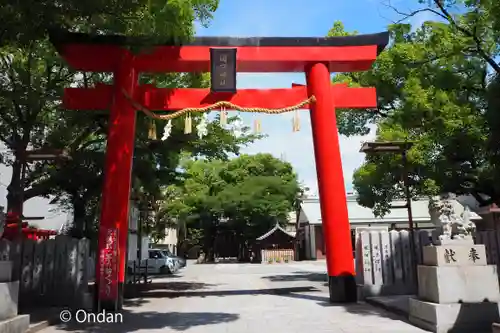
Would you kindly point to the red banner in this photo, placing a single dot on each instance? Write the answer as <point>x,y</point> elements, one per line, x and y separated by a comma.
<point>108,256</point>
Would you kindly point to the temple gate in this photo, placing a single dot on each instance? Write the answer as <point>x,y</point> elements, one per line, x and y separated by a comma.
<point>317,57</point>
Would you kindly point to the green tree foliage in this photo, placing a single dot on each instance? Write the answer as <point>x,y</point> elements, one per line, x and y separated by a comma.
<point>32,77</point>
<point>250,193</point>
<point>25,21</point>
<point>261,192</point>
<point>436,88</point>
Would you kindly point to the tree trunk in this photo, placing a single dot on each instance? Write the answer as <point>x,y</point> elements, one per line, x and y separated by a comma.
<point>209,242</point>
<point>79,217</point>
<point>15,188</point>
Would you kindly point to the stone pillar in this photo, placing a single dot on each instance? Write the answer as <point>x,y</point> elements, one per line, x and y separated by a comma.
<point>312,235</point>
<point>457,289</point>
<point>10,321</point>
<point>307,242</point>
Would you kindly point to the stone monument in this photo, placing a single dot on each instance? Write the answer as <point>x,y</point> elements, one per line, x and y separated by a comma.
<point>457,290</point>
<point>10,321</point>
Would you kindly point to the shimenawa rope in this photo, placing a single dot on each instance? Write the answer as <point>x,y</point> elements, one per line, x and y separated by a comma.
<point>215,106</point>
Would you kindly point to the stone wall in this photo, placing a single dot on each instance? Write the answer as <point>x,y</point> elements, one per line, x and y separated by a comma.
<point>385,264</point>
<point>52,272</point>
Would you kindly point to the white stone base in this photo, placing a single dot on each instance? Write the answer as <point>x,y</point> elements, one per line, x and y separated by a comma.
<point>9,293</point>
<point>456,318</point>
<point>18,324</point>
<point>452,284</point>
<point>437,255</point>
<point>370,290</point>
<point>5,271</point>
<point>457,241</point>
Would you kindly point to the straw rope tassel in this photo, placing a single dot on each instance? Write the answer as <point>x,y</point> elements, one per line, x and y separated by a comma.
<point>152,130</point>
<point>188,124</point>
<point>296,121</point>
<point>152,124</point>
<point>223,116</point>
<point>257,126</point>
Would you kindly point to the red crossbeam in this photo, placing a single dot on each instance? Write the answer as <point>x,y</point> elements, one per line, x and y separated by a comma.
<point>162,99</point>
<point>254,59</point>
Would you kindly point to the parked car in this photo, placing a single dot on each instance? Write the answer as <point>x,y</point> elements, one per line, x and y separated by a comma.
<point>180,260</point>
<point>158,263</point>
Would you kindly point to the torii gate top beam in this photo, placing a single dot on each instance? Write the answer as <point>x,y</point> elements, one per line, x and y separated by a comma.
<point>102,53</point>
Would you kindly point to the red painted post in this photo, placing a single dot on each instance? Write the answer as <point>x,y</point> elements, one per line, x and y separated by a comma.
<point>334,215</point>
<point>117,177</point>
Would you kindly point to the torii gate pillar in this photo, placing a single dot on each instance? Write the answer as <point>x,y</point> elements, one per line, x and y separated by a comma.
<point>334,216</point>
<point>117,185</point>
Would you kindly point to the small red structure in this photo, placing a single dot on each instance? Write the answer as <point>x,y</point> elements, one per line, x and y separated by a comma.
<point>11,231</point>
<point>317,57</point>
<point>30,233</point>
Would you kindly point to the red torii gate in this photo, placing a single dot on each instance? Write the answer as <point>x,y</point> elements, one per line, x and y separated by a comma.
<point>317,57</point>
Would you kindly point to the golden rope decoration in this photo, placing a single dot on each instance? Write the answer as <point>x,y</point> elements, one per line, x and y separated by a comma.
<point>218,105</point>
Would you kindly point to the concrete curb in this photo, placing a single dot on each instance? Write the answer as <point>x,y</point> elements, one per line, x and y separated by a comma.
<point>386,307</point>
<point>37,327</point>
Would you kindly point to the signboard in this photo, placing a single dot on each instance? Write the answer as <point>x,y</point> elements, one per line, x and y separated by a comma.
<point>108,256</point>
<point>223,70</point>
<point>133,217</point>
<point>359,230</point>
<point>144,248</point>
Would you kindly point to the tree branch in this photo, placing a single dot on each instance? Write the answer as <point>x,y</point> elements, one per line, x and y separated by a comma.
<point>9,122</point>
<point>412,13</point>
<point>380,113</point>
<point>445,14</point>
<point>469,34</point>
<point>40,189</point>
<point>12,78</point>
<point>75,144</point>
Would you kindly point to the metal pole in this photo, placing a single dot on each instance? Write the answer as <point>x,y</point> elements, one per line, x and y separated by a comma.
<point>139,235</point>
<point>407,190</point>
<point>413,247</point>
<point>298,205</point>
<point>20,196</point>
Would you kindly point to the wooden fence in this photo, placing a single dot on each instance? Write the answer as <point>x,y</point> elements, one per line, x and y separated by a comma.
<point>277,256</point>
<point>385,264</point>
<point>51,272</point>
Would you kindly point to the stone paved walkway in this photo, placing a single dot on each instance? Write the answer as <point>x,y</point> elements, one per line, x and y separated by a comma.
<point>241,298</point>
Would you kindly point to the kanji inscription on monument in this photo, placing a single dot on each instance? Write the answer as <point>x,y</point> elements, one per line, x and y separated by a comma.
<point>454,255</point>
<point>473,255</point>
<point>449,255</point>
<point>367,263</point>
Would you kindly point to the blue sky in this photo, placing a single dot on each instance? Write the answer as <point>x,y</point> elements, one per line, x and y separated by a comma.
<point>274,18</point>
<point>299,18</point>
